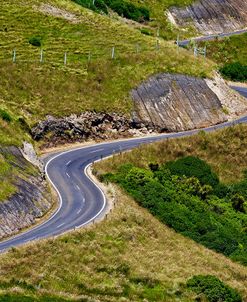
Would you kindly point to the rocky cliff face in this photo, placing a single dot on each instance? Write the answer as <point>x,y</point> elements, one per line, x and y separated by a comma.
<point>88,125</point>
<point>176,102</point>
<point>213,16</point>
<point>31,200</point>
<point>163,103</point>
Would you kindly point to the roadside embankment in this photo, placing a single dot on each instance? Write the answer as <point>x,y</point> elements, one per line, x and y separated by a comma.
<point>163,103</point>
<point>25,198</point>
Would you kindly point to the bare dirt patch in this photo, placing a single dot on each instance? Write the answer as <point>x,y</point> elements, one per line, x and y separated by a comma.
<point>59,13</point>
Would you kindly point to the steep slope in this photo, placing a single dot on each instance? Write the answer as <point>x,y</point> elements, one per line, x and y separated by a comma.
<point>90,80</point>
<point>213,16</point>
<point>24,195</point>
<point>175,102</point>
<point>130,256</point>
<point>58,58</point>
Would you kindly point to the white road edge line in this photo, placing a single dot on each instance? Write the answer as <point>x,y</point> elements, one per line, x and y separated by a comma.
<point>97,150</point>
<point>161,136</point>
<point>60,225</point>
<point>102,193</point>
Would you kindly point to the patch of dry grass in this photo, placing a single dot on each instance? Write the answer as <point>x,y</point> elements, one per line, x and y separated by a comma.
<point>225,150</point>
<point>105,261</point>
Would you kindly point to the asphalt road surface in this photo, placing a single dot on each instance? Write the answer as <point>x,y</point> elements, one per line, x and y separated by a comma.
<point>241,90</point>
<point>212,37</point>
<point>82,201</point>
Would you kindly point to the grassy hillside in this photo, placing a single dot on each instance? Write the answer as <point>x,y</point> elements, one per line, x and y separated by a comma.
<point>149,15</point>
<point>159,20</point>
<point>231,55</point>
<point>12,169</point>
<point>32,90</point>
<point>224,150</point>
<point>128,257</point>
<point>184,194</point>
<point>228,50</point>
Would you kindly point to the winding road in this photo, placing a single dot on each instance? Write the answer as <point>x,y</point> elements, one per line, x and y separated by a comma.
<point>80,200</point>
<point>212,37</point>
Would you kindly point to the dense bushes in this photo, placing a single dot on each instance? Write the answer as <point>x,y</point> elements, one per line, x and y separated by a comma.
<point>194,166</point>
<point>235,71</point>
<point>181,194</point>
<point>213,288</point>
<point>121,7</point>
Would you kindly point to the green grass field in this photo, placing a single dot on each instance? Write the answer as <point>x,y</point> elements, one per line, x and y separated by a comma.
<point>33,90</point>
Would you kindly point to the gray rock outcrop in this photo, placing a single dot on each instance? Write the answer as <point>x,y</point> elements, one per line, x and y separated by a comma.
<point>31,200</point>
<point>212,16</point>
<point>176,103</point>
<point>163,103</point>
<point>29,154</point>
<point>88,125</point>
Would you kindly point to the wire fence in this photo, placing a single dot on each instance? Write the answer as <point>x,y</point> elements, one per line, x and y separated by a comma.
<point>57,56</point>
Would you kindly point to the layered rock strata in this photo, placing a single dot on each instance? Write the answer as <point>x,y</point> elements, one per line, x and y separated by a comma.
<point>31,200</point>
<point>212,16</point>
<point>177,103</point>
<point>163,103</point>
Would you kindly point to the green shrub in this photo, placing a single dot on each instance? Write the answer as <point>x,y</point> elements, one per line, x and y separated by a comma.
<point>193,166</point>
<point>121,7</point>
<point>235,71</point>
<point>213,288</point>
<point>5,115</point>
<point>35,41</point>
<point>189,206</point>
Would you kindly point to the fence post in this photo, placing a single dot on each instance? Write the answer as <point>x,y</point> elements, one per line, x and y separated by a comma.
<point>205,51</point>
<point>41,56</point>
<point>137,48</point>
<point>14,56</point>
<point>113,52</point>
<point>195,51</point>
<point>158,32</point>
<point>177,42</point>
<point>157,44</point>
<point>65,58</point>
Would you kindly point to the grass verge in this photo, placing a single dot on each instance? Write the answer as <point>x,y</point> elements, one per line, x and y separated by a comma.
<point>129,257</point>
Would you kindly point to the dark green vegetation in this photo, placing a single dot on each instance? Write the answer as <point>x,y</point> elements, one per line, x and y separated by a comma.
<point>234,71</point>
<point>121,7</point>
<point>186,195</point>
<point>193,166</point>
<point>35,41</point>
<point>214,289</point>
<point>231,55</point>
